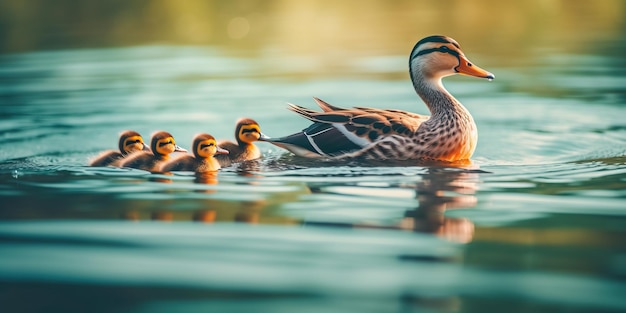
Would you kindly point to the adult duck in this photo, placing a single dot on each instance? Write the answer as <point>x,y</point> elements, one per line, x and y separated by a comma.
<point>247,131</point>
<point>162,145</point>
<point>204,149</point>
<point>448,134</point>
<point>128,143</point>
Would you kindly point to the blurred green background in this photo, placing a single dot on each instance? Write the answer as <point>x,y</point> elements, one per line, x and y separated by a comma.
<point>334,30</point>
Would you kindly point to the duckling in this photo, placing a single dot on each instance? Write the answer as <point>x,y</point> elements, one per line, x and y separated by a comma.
<point>448,134</point>
<point>162,145</point>
<point>247,131</point>
<point>204,148</point>
<point>129,143</point>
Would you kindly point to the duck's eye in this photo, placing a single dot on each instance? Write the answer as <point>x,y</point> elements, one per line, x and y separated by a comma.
<point>130,141</point>
<point>161,144</point>
<point>206,145</point>
<point>250,130</point>
<point>445,49</point>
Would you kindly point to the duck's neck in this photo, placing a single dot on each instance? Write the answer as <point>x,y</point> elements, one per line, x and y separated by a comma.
<point>438,100</point>
<point>242,143</point>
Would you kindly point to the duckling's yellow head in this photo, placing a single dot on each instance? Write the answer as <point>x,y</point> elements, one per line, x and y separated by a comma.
<point>131,141</point>
<point>248,131</point>
<point>205,146</point>
<point>163,143</point>
<point>438,56</point>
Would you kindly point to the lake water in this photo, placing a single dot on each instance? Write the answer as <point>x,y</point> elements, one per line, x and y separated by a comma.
<point>536,224</point>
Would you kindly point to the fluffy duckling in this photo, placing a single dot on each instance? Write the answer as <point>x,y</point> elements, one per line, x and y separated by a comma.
<point>202,160</point>
<point>129,142</point>
<point>162,145</point>
<point>247,131</point>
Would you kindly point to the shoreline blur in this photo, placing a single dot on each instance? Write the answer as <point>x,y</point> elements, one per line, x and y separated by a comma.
<point>328,29</point>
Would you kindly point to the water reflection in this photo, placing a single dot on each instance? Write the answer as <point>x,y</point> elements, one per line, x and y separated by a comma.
<point>249,168</point>
<point>434,191</point>
<point>199,199</point>
<point>207,178</point>
<point>441,190</point>
<point>205,216</point>
<point>560,58</point>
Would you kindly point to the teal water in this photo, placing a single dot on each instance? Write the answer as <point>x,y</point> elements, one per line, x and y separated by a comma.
<point>538,224</point>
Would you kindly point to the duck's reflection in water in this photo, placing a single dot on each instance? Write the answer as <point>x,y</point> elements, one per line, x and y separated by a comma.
<point>246,212</point>
<point>162,215</point>
<point>206,210</point>
<point>204,216</point>
<point>249,168</point>
<point>247,216</point>
<point>207,178</point>
<point>440,190</point>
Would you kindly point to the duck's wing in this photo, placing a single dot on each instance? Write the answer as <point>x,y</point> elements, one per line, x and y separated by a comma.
<point>337,131</point>
<point>223,160</point>
<point>396,114</point>
<point>234,151</point>
<point>106,158</point>
<point>327,107</point>
<point>181,163</point>
<point>319,139</point>
<point>228,145</point>
<point>141,160</point>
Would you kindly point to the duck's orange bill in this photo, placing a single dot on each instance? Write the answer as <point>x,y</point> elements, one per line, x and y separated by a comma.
<point>467,68</point>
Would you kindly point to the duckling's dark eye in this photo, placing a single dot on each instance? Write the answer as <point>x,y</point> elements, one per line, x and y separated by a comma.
<point>132,142</point>
<point>444,49</point>
<point>250,130</point>
<point>161,144</point>
<point>204,145</point>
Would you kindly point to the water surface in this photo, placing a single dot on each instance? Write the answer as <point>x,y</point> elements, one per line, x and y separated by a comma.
<point>535,224</point>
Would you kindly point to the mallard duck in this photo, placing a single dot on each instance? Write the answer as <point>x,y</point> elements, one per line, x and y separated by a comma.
<point>247,131</point>
<point>162,145</point>
<point>449,134</point>
<point>204,148</point>
<point>129,142</point>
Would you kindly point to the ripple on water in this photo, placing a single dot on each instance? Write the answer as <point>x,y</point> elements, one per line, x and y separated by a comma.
<point>550,165</point>
<point>269,260</point>
<point>228,256</point>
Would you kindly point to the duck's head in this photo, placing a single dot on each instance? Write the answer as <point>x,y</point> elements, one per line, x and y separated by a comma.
<point>131,141</point>
<point>163,143</point>
<point>248,131</point>
<point>205,146</point>
<point>437,56</point>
